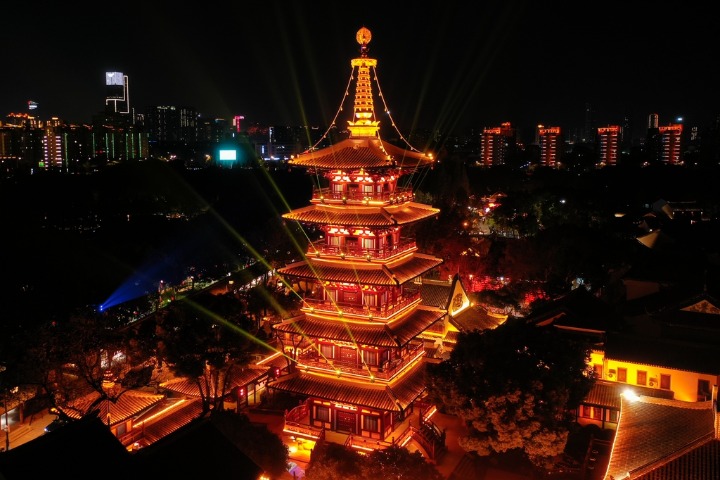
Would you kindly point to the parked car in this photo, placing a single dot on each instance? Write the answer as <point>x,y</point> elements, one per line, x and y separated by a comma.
<point>55,424</point>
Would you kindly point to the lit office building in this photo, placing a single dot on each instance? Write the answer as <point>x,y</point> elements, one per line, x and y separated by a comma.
<point>497,144</point>
<point>670,142</point>
<point>117,92</point>
<point>549,139</point>
<point>608,141</point>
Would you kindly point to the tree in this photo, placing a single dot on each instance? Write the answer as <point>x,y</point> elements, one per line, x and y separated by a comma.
<point>399,463</point>
<point>514,386</point>
<point>256,441</point>
<point>332,461</point>
<point>84,353</point>
<point>205,340</point>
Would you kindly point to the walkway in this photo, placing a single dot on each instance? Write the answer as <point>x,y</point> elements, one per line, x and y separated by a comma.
<point>29,429</point>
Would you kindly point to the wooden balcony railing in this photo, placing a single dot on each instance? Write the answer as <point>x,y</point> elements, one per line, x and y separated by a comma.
<point>379,312</point>
<point>319,248</point>
<point>312,359</point>
<point>400,194</point>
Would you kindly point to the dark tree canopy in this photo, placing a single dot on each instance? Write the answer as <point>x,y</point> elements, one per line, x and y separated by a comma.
<point>256,441</point>
<point>204,339</point>
<point>336,462</point>
<point>514,386</point>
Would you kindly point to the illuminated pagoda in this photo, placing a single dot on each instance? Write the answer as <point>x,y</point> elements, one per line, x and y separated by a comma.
<point>356,348</point>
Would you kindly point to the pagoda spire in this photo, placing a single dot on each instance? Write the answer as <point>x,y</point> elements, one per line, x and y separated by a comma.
<point>363,123</point>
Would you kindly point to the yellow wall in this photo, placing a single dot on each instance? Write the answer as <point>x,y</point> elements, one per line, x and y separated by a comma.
<point>684,384</point>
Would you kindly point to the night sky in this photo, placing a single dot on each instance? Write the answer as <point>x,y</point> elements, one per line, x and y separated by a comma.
<point>451,66</point>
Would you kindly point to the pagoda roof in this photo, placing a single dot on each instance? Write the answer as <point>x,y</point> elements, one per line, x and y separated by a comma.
<point>393,334</point>
<point>394,396</point>
<point>362,152</point>
<point>366,273</point>
<point>372,216</point>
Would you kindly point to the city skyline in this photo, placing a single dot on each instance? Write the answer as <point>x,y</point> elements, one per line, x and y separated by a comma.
<point>443,68</point>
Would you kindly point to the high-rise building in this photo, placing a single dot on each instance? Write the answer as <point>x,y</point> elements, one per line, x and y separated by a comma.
<point>117,92</point>
<point>653,121</point>
<point>550,141</point>
<point>171,125</point>
<point>670,144</point>
<point>356,350</point>
<point>53,154</point>
<point>497,144</point>
<point>608,141</point>
<point>589,130</point>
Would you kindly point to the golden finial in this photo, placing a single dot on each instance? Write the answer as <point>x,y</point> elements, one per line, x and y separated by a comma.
<point>363,36</point>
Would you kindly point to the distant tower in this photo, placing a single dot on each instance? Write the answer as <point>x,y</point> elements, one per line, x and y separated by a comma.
<point>497,144</point>
<point>550,142</point>
<point>170,125</point>
<point>237,119</point>
<point>589,132</point>
<point>626,134</point>
<point>608,144</point>
<point>670,144</point>
<point>117,93</point>
<point>652,138</point>
<point>653,121</point>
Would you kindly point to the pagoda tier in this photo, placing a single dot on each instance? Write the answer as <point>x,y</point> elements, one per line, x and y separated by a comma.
<point>365,288</point>
<point>367,153</point>
<point>358,217</point>
<point>363,333</point>
<point>394,396</point>
<point>362,272</point>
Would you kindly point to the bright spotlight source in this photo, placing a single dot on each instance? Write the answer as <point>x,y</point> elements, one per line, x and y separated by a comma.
<point>630,395</point>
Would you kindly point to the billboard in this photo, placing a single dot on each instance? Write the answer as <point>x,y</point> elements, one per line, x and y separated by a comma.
<point>115,85</point>
<point>114,78</point>
<point>225,155</point>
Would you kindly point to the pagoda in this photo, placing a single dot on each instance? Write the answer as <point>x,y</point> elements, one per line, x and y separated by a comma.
<point>356,349</point>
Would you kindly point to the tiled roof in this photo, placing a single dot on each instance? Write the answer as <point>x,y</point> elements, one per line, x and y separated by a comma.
<point>578,310</point>
<point>408,388</point>
<point>436,294</point>
<point>607,394</point>
<point>356,153</point>
<point>359,216</point>
<point>677,354</point>
<point>369,273</point>
<point>398,395</point>
<point>476,319</point>
<point>410,212</point>
<point>395,334</point>
<point>701,462</point>
<point>238,378</point>
<point>419,264</point>
<point>651,430</point>
<point>130,403</point>
<point>185,412</point>
<point>451,337</point>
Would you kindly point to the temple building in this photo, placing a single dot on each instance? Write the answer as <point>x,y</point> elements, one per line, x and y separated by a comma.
<point>357,349</point>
